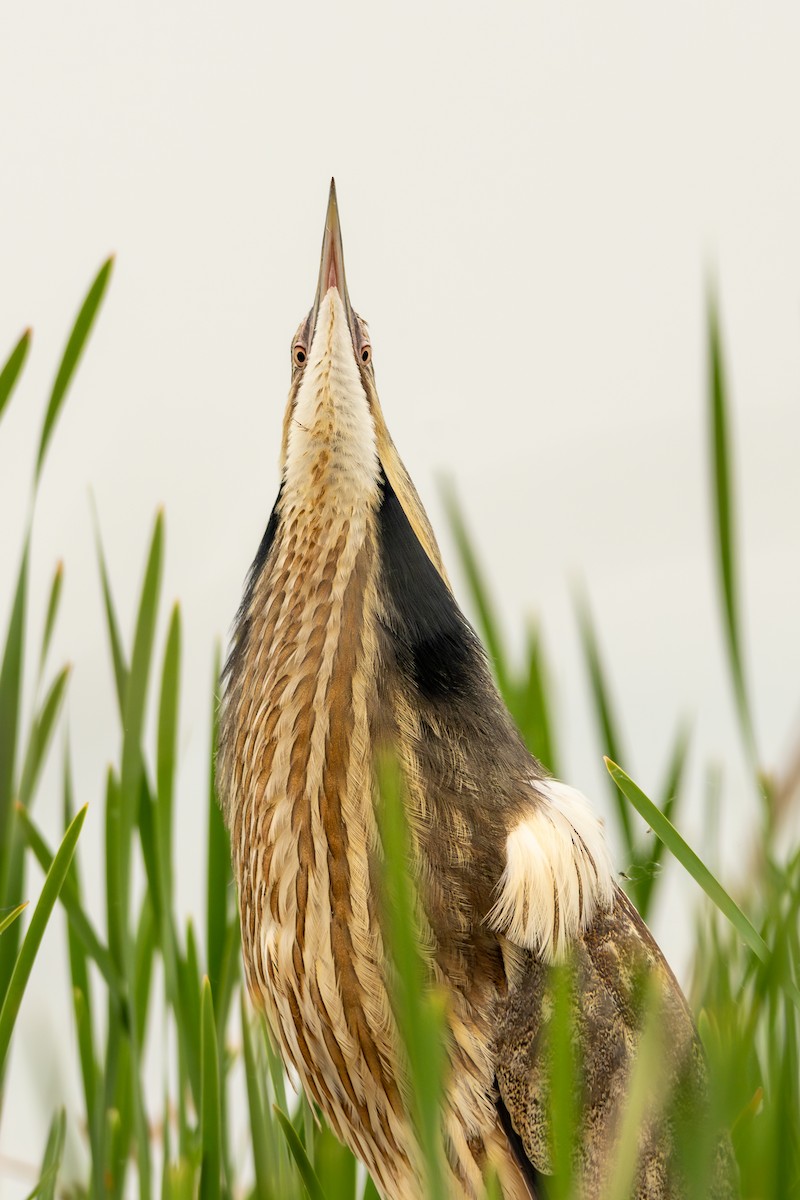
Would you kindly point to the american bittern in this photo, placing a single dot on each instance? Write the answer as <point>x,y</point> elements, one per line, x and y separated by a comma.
<point>349,643</point>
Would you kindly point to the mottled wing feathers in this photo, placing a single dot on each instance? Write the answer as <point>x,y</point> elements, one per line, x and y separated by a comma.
<point>614,964</point>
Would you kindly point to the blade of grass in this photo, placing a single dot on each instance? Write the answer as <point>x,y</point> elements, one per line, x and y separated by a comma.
<point>724,514</point>
<point>112,624</point>
<point>609,730</point>
<point>650,860</point>
<point>9,918</point>
<point>70,898</point>
<point>167,752</point>
<point>51,1163</point>
<point>13,365</point>
<point>71,357</point>
<point>696,867</point>
<point>10,703</point>
<point>135,698</point>
<point>40,736</point>
<point>41,915</point>
<point>210,1110</point>
<point>488,625</point>
<point>53,603</point>
<point>190,989</point>
<point>418,1007</point>
<point>307,1172</point>
<point>219,860</point>
<point>263,1153</point>
<point>534,719</point>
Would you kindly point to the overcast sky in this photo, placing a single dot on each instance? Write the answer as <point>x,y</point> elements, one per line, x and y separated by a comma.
<point>534,200</point>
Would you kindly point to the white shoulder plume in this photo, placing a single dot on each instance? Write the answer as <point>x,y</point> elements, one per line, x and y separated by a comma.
<point>558,872</point>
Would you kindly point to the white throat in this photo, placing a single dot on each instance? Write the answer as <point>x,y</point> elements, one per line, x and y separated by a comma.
<point>331,455</point>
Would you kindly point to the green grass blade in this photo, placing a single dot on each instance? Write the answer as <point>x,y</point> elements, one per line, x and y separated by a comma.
<point>116,910</point>
<point>145,952</point>
<point>534,718</point>
<point>70,898</point>
<point>53,883</point>
<point>219,860</point>
<point>645,1100</point>
<point>609,729</point>
<point>167,752</point>
<point>210,1108</point>
<point>71,357</point>
<point>724,514</point>
<point>13,366</point>
<point>9,918</point>
<point>40,736</point>
<point>307,1172</point>
<point>418,1007</point>
<point>488,624</point>
<point>51,1163</point>
<point>695,866</point>
<point>334,1163</point>
<point>189,987</point>
<point>264,1150</point>
<point>112,624</point>
<point>563,1079</point>
<point>10,703</point>
<point>135,698</point>
<point>649,862</point>
<point>52,612</point>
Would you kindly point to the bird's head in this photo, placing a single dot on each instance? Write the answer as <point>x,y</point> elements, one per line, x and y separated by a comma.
<point>335,446</point>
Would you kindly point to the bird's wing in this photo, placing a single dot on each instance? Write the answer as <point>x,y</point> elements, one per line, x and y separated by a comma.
<point>615,962</point>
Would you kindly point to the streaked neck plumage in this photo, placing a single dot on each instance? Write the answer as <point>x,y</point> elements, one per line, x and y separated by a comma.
<point>331,457</point>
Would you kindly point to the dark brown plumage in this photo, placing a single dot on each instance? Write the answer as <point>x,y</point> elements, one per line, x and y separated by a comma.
<point>349,643</point>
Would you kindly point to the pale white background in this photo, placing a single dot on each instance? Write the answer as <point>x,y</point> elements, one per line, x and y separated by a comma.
<point>534,199</point>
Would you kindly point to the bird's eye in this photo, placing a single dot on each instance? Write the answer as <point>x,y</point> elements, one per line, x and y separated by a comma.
<point>299,355</point>
<point>366,354</point>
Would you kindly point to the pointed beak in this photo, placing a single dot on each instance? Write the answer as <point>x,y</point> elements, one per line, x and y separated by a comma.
<point>331,268</point>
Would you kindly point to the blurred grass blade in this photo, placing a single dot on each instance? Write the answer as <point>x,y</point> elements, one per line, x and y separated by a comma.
<point>52,612</point>
<point>78,918</point>
<point>189,986</point>
<point>51,1163</point>
<point>12,916</point>
<point>334,1163</point>
<point>40,736</point>
<point>649,862</point>
<point>210,1111</point>
<point>418,1007</point>
<point>307,1172</point>
<point>13,366</point>
<point>609,730</point>
<point>219,859</point>
<point>10,703</point>
<point>135,698</point>
<point>255,1103</point>
<point>695,866</point>
<point>41,914</point>
<point>488,625</point>
<point>724,512</point>
<point>71,357</point>
<point>646,1097</point>
<point>112,624</point>
<point>563,1079</point>
<point>167,751</point>
<point>535,720</point>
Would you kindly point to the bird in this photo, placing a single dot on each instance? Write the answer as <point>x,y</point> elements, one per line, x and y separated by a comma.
<point>349,644</point>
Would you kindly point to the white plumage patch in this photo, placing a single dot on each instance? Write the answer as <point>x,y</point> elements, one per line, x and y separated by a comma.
<point>558,873</point>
